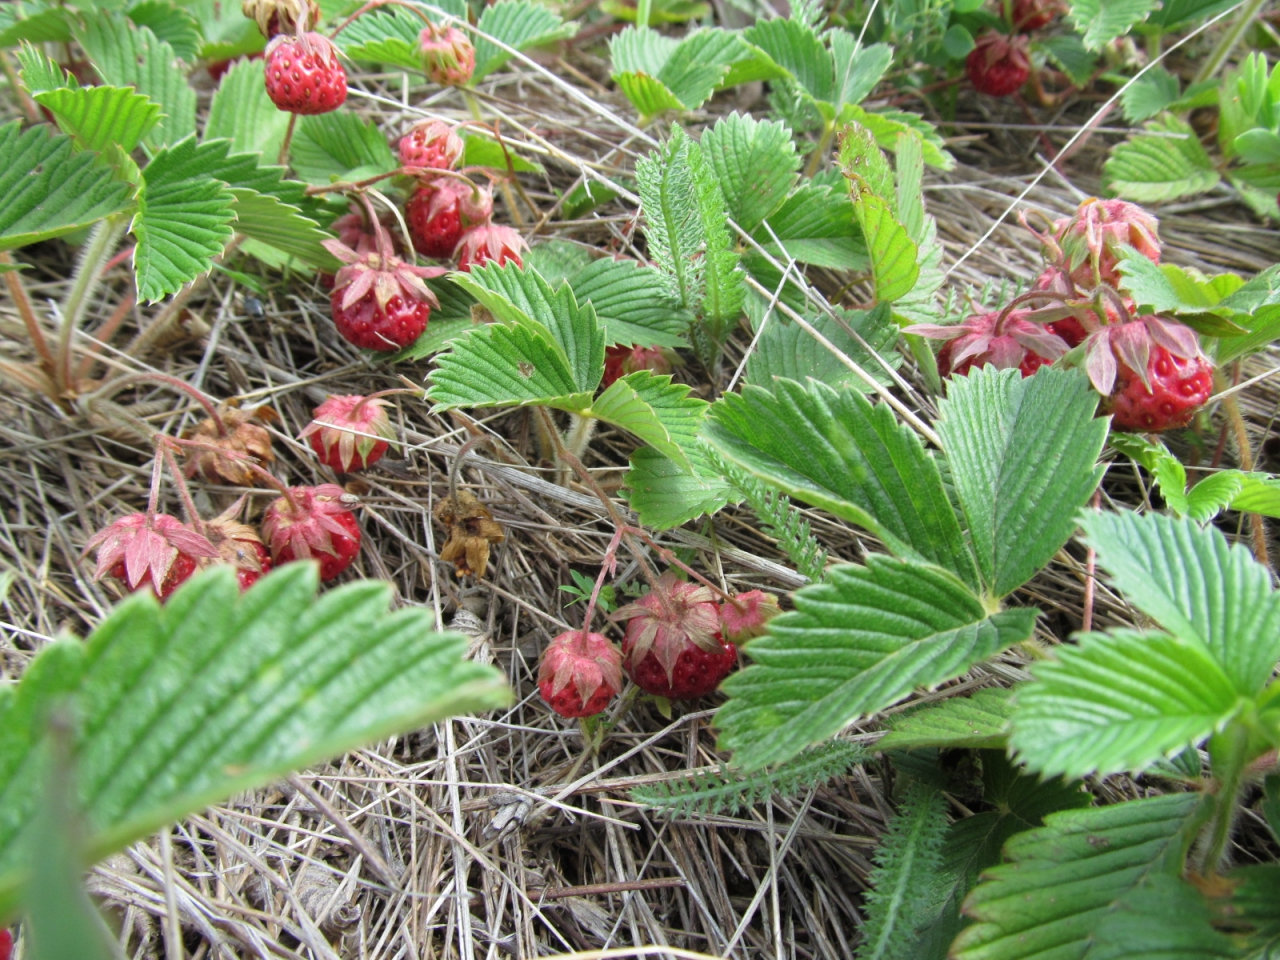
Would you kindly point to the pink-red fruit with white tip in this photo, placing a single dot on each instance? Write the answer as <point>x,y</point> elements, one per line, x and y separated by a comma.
<point>580,673</point>
<point>746,620</point>
<point>673,647</point>
<point>490,243</point>
<point>159,552</point>
<point>441,211</point>
<point>431,145</point>
<point>447,54</point>
<point>304,75</point>
<point>349,432</point>
<point>318,524</point>
<point>379,301</point>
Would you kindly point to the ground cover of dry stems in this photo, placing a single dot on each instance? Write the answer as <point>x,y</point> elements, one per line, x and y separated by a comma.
<point>492,836</point>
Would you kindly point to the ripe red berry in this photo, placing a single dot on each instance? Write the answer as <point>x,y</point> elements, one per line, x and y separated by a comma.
<point>349,432</point>
<point>1177,387</point>
<point>441,211</point>
<point>620,360</point>
<point>1031,15</point>
<point>998,65</point>
<point>447,54</point>
<point>431,145</point>
<point>379,301</point>
<point>239,545</point>
<point>6,944</point>
<point>490,242</point>
<point>158,552</point>
<point>304,75</point>
<point>313,522</point>
<point>580,673</point>
<point>985,338</point>
<point>747,620</point>
<point>673,647</point>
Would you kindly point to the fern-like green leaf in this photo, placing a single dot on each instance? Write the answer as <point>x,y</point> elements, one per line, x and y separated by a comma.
<point>726,289</point>
<point>179,706</point>
<point>673,224</point>
<point>907,862</point>
<point>48,188</point>
<point>780,519</point>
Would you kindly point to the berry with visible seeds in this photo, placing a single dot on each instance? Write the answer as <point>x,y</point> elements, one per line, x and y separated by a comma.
<point>747,620</point>
<point>431,145</point>
<point>313,522</point>
<point>1176,388</point>
<point>580,673</point>
<point>304,75</point>
<point>349,432</point>
<point>379,301</point>
<point>6,944</point>
<point>620,360</point>
<point>673,647</point>
<point>447,54</point>
<point>986,339</point>
<point>441,211</point>
<point>158,552</point>
<point>490,243</point>
<point>998,65</point>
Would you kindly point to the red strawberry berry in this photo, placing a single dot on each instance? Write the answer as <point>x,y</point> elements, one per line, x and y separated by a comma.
<point>6,944</point>
<point>1177,387</point>
<point>447,54</point>
<point>158,552</point>
<point>431,145</point>
<point>744,622</point>
<point>986,339</point>
<point>1091,240</point>
<point>349,432</point>
<point>313,522</point>
<point>1031,15</point>
<point>580,673</point>
<point>998,65</point>
<point>673,647</point>
<point>620,360</point>
<point>491,242</point>
<point>441,211</point>
<point>379,302</point>
<point>304,75</point>
<point>239,545</point>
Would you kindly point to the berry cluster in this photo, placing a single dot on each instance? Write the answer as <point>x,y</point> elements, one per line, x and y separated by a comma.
<point>679,644</point>
<point>999,63</point>
<point>1148,368</point>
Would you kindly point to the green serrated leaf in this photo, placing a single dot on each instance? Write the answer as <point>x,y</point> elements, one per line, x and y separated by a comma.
<point>519,24</point>
<point>98,117</point>
<point>182,705</point>
<point>755,163</point>
<point>1147,95</point>
<point>888,125</point>
<point>892,252</point>
<point>1212,494</point>
<point>1023,455</point>
<point>626,299</point>
<point>855,644</point>
<point>1065,878</point>
<point>814,225</point>
<point>242,112</point>
<point>981,720</point>
<point>659,412</point>
<point>479,151</point>
<point>1247,903</point>
<point>329,146</point>
<point>798,49</point>
<point>183,221</point>
<point>1118,702</point>
<point>665,495</point>
<point>1199,588</point>
<point>725,283</point>
<point>787,351</point>
<point>128,55</point>
<point>1101,22</point>
<point>1258,493</point>
<point>698,66</point>
<point>504,366</point>
<point>171,23</point>
<point>837,451</point>
<point>673,224</point>
<point>863,163</point>
<point>647,94</point>
<point>48,188</point>
<point>1068,52</point>
<point>389,36</point>
<point>267,219</point>
<point>1166,162</point>
<point>858,69</point>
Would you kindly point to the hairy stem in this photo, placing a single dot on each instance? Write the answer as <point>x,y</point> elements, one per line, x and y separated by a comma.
<point>103,239</point>
<point>1227,753</point>
<point>19,294</point>
<point>109,390</point>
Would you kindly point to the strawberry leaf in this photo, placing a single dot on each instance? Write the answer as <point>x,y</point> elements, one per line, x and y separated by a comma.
<point>518,24</point>
<point>799,50</point>
<point>665,495</point>
<point>285,680</point>
<point>888,125</point>
<point>838,452</point>
<point>387,36</point>
<point>755,163</point>
<point>858,68</point>
<point>814,225</point>
<point>1195,586</point>
<point>183,221</point>
<point>48,188</point>
<point>242,113</point>
<point>787,351</point>
<point>1101,21</point>
<point>979,721</point>
<point>659,412</point>
<point>1023,454</point>
<point>45,26</point>
<point>857,643</point>
<point>1072,882</point>
<point>1166,163</point>
<point>673,222</point>
<point>892,252</point>
<point>328,146</point>
<point>623,293</point>
<point>1258,493</point>
<point>128,55</point>
<point>171,23</point>
<point>269,220</point>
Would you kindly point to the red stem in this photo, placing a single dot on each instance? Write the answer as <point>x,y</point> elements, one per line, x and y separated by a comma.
<point>384,393</point>
<point>179,481</point>
<point>244,458</point>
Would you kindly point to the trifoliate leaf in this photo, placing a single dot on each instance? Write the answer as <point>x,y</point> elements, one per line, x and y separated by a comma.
<point>838,452</point>
<point>855,644</point>
<point>1166,162</point>
<point>48,188</point>
<point>215,692</point>
<point>755,164</point>
<point>1023,454</point>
